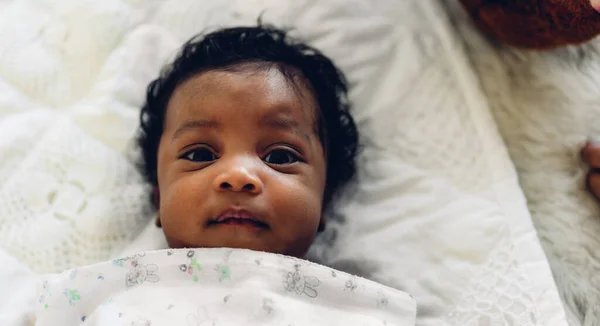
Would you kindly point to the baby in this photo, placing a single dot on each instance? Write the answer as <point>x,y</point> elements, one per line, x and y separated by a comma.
<point>246,137</point>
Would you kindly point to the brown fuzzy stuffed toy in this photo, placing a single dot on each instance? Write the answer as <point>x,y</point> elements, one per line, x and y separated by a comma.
<point>537,24</point>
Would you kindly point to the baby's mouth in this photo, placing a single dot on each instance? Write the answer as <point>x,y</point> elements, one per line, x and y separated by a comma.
<point>238,217</point>
<point>241,222</point>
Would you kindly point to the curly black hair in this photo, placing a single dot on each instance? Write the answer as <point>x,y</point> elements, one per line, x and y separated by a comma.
<point>261,44</point>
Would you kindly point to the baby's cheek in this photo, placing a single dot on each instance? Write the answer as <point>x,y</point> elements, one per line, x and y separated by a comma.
<point>301,203</point>
<point>298,209</point>
<point>180,214</point>
<point>180,199</point>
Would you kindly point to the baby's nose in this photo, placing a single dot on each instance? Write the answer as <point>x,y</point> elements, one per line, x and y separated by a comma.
<point>239,179</point>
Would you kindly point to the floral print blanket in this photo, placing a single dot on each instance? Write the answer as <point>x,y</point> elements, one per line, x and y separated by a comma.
<point>221,286</point>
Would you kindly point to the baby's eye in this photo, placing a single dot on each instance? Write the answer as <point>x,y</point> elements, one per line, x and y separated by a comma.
<point>281,157</point>
<point>200,155</point>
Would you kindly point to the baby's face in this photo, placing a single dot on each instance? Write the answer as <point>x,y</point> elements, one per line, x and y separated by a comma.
<point>240,163</point>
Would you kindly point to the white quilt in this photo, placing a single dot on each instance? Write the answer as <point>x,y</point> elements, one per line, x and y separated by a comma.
<point>437,210</point>
<point>216,287</point>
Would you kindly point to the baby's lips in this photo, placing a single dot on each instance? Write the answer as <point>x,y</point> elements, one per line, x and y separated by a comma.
<point>595,4</point>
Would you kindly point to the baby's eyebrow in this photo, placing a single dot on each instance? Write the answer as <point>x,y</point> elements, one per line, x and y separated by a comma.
<point>195,124</point>
<point>282,122</point>
<point>278,121</point>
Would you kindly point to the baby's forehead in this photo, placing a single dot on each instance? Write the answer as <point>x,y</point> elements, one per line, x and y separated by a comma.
<point>275,90</point>
<point>276,76</point>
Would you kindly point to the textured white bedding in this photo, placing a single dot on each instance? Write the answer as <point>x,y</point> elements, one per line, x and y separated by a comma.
<point>437,210</point>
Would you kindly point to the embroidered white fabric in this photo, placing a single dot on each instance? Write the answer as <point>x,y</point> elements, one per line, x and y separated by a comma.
<point>500,295</point>
<point>437,210</point>
<point>66,199</point>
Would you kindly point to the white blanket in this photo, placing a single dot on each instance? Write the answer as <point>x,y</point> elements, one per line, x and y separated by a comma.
<point>214,287</point>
